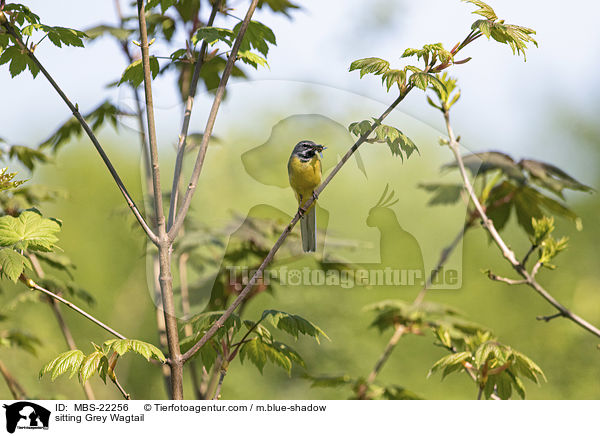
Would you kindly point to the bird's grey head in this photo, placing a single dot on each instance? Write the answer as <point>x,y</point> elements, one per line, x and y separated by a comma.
<point>306,150</point>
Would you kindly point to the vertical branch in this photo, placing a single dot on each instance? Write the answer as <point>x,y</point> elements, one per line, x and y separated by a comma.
<point>164,245</point>
<point>210,123</point>
<point>186,120</point>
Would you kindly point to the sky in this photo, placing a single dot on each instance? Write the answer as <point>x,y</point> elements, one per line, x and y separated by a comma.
<point>507,104</point>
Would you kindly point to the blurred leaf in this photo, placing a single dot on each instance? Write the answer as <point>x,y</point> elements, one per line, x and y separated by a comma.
<point>442,193</point>
<point>27,156</point>
<point>96,118</point>
<point>19,339</point>
<point>551,177</point>
<point>281,6</point>
<point>119,33</point>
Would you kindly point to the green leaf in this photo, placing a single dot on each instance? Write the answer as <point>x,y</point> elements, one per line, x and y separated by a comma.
<point>122,346</point>
<point>30,231</point>
<point>134,73</point>
<point>255,351</point>
<point>63,363</point>
<point>19,60</point>
<point>293,324</point>
<point>12,264</point>
<point>252,59</point>
<point>527,367</point>
<point>484,10</point>
<point>212,35</point>
<point>484,352</point>
<point>257,36</point>
<point>517,383</point>
<point>504,386</point>
<point>7,180</point>
<point>375,66</point>
<point>450,361</point>
<point>391,77</point>
<point>420,80</point>
<point>90,365</point>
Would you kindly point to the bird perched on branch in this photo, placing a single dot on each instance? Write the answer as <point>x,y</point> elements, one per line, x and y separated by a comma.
<point>304,171</point>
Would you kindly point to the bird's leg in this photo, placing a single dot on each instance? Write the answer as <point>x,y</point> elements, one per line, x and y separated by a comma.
<point>315,196</point>
<point>301,209</point>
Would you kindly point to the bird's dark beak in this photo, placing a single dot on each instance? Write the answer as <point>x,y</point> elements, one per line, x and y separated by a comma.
<point>320,148</point>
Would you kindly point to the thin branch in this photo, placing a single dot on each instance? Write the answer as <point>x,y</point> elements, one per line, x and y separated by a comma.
<point>244,293</point>
<point>31,284</point>
<point>187,199</point>
<point>506,280</point>
<point>508,254</point>
<point>74,109</point>
<point>64,328</point>
<point>529,252</point>
<point>14,387</point>
<point>186,120</point>
<point>115,380</point>
<point>220,384</point>
<point>444,255</point>
<point>549,317</point>
<point>398,333</point>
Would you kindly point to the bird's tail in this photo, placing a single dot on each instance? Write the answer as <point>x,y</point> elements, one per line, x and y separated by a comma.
<point>308,230</point>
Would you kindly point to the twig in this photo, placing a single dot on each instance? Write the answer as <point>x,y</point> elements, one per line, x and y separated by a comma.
<point>14,387</point>
<point>398,333</point>
<point>444,255</point>
<point>64,328</point>
<point>549,317</point>
<point>508,254</point>
<point>187,199</point>
<point>506,280</point>
<point>186,120</point>
<point>480,392</point>
<point>222,374</point>
<point>244,293</point>
<point>115,380</point>
<point>526,257</point>
<point>74,109</point>
<point>31,284</point>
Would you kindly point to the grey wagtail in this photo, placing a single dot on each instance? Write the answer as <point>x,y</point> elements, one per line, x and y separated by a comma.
<point>304,171</point>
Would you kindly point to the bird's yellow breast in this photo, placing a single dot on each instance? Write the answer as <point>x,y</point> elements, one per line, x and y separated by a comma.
<point>304,176</point>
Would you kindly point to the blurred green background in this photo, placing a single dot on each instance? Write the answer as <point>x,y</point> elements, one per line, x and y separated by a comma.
<point>553,124</point>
